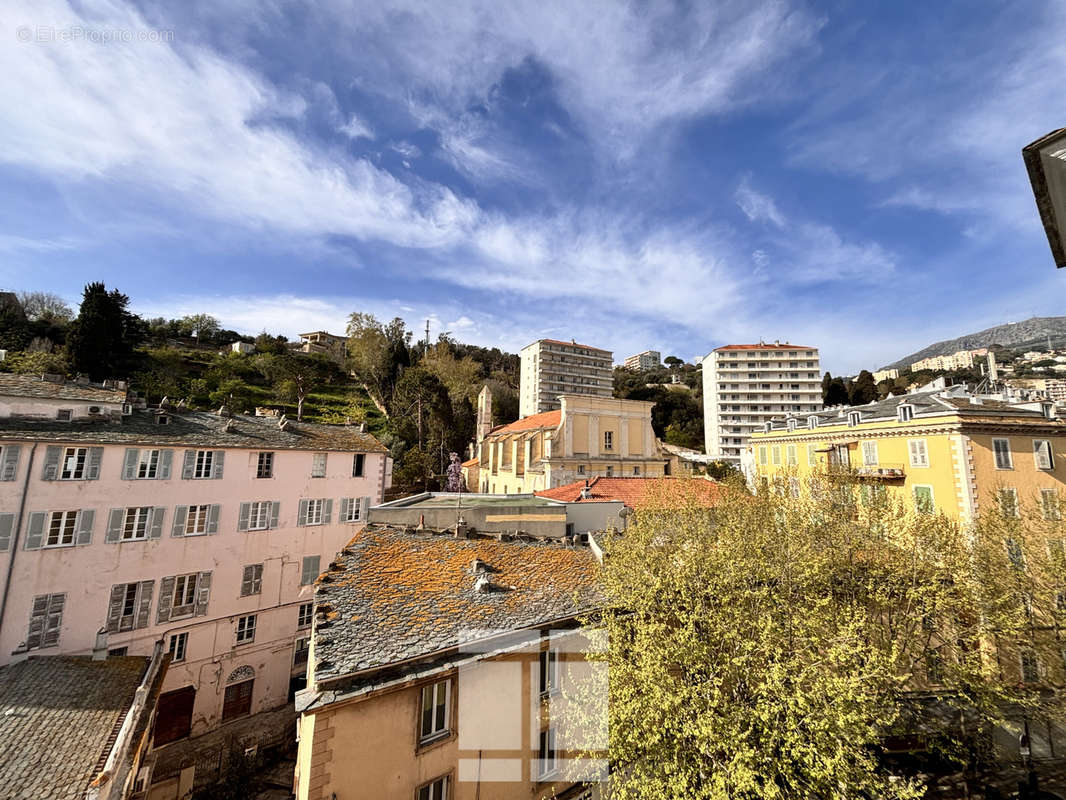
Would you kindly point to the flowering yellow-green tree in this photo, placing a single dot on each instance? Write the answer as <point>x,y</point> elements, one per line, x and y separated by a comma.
<point>768,647</point>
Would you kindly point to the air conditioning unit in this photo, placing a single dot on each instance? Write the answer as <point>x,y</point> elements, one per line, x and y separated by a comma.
<point>94,409</point>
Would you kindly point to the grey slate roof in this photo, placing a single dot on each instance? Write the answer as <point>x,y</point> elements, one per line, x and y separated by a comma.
<point>58,716</point>
<point>12,385</point>
<point>392,595</point>
<point>194,429</point>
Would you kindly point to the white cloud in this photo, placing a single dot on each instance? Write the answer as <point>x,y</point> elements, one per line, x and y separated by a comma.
<point>757,207</point>
<point>356,128</point>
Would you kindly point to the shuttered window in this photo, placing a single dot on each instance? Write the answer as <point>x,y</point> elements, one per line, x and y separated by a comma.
<point>46,619</point>
<point>358,463</point>
<point>1042,454</point>
<point>1008,502</point>
<point>148,466</point>
<point>9,461</point>
<point>136,523</point>
<point>304,615</point>
<point>1049,504</point>
<point>314,512</point>
<point>129,606</point>
<point>869,454</point>
<point>196,522</point>
<point>184,596</point>
<point>204,464</point>
<point>310,569</point>
<point>174,715</point>
<point>919,455</point>
<point>435,710</point>
<point>238,700</point>
<point>258,516</point>
<point>434,790</point>
<point>178,644</point>
<point>300,651</point>
<point>1001,449</point>
<point>923,499</point>
<point>74,463</point>
<point>318,465</point>
<point>252,580</point>
<point>62,527</point>
<point>354,509</point>
<point>264,467</point>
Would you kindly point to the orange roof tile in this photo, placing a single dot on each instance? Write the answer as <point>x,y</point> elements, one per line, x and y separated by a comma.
<point>471,463</point>
<point>545,419</point>
<point>634,491</point>
<point>764,347</point>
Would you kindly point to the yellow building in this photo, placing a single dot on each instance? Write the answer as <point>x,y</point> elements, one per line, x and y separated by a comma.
<point>441,669</point>
<point>587,437</point>
<point>944,449</point>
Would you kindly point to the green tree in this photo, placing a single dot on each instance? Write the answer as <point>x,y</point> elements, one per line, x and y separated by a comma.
<point>46,307</point>
<point>835,393</point>
<point>863,390</point>
<point>15,332</point>
<point>102,337</point>
<point>765,649</point>
<point>37,363</point>
<point>295,377</point>
<point>377,355</point>
<point>202,326</point>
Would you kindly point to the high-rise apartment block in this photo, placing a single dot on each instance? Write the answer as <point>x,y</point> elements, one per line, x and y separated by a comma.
<point>744,385</point>
<point>551,368</point>
<point>649,359</point>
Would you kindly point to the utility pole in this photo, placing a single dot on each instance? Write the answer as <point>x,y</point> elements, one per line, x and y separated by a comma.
<point>427,336</point>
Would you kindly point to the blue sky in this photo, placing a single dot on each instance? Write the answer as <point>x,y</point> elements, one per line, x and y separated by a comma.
<point>645,175</point>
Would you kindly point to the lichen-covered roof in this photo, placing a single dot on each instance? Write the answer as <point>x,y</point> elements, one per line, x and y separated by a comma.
<point>12,385</point>
<point>58,715</point>
<point>393,595</point>
<point>194,429</point>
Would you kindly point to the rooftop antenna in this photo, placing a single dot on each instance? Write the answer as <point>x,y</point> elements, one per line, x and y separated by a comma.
<point>427,335</point>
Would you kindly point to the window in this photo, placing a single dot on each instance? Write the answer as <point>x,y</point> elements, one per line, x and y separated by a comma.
<point>196,522</point>
<point>314,512</point>
<point>609,471</point>
<point>259,515</point>
<point>934,666</point>
<point>309,570</point>
<point>62,527</point>
<point>608,440</point>
<point>1001,449</point>
<point>1042,454</point>
<point>358,462</point>
<point>548,759</point>
<point>636,470</point>
<point>434,790</point>
<point>252,580</point>
<point>74,459</point>
<point>904,412</point>
<point>184,595</point>
<point>129,606</point>
<point>1030,667</point>
<point>1049,504</point>
<point>775,455</point>
<point>580,469</point>
<point>238,700</point>
<point>812,422</point>
<point>246,629</point>
<point>204,464</point>
<point>794,487</point>
<point>318,465</point>
<point>178,643</point>
<point>148,464</point>
<point>264,467</point>
<point>790,455</point>
<point>300,651</point>
<point>869,454</point>
<point>812,455</point>
<point>549,671</point>
<point>46,619</point>
<point>135,525</point>
<point>64,414</point>
<point>923,499</point>
<point>174,715</point>
<point>918,452</point>
<point>1015,554</point>
<point>762,455</point>
<point>1008,502</point>
<point>304,615</point>
<point>351,509</point>
<point>435,710</point>
<point>854,417</point>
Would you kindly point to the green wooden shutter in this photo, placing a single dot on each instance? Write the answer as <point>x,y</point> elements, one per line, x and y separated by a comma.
<point>275,511</point>
<point>144,603</point>
<point>203,594</point>
<point>166,458</point>
<point>86,518</point>
<point>216,464</point>
<point>242,516</point>
<point>52,455</point>
<point>156,529</point>
<point>96,457</point>
<point>188,465</point>
<point>166,597</point>
<point>10,464</point>
<point>212,518</point>
<point>7,523</point>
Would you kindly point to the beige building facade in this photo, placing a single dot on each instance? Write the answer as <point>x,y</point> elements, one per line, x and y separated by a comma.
<point>550,368</point>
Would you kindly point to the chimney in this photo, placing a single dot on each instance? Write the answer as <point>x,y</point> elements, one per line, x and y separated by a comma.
<point>586,492</point>
<point>100,645</point>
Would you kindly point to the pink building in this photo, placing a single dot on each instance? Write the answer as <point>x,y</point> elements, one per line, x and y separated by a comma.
<point>203,531</point>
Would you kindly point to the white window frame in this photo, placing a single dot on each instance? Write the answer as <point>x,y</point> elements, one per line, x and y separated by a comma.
<point>869,447</point>
<point>75,463</point>
<point>196,523</point>
<point>439,692</point>
<point>904,412</point>
<point>608,440</point>
<point>245,631</point>
<point>353,511</point>
<point>1007,460</point>
<point>1050,510</point>
<point>549,672</point>
<point>923,461</point>
<point>148,464</point>
<point>318,464</point>
<point>547,755</point>
<point>252,574</point>
<point>436,789</point>
<point>1043,457</point>
<point>305,615</point>
<point>203,464</point>
<point>184,588</point>
<point>259,515</point>
<point>136,524</point>
<point>296,649</point>
<point>775,455</point>
<point>264,464</point>
<point>1012,493</point>
<point>179,644</point>
<point>315,511</point>
<point>812,455</point>
<point>791,456</point>
<point>68,526</point>
<point>763,455</point>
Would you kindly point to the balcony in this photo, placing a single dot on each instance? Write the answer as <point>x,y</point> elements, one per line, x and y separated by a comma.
<point>867,472</point>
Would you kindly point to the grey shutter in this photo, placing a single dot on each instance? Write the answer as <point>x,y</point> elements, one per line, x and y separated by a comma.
<point>53,621</point>
<point>115,521</point>
<point>166,457</point>
<point>343,516</point>
<point>181,513</point>
<point>130,463</point>
<point>301,515</point>
<point>51,462</point>
<point>166,597</point>
<point>7,522</point>
<point>35,530</point>
<point>364,508</point>
<point>310,570</point>
<point>156,531</point>
<point>242,517</point>
<point>216,464</point>
<point>212,519</point>
<point>246,580</point>
<point>114,607</point>
<point>189,465</point>
<point>10,466</point>
<point>144,603</point>
<point>275,510</point>
<point>203,594</point>
<point>327,511</point>
<point>37,616</point>
<point>85,526</point>
<point>96,456</point>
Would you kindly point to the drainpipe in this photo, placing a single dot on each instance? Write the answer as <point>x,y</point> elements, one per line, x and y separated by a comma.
<point>15,535</point>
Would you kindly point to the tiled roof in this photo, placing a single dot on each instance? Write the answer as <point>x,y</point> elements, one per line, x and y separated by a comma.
<point>473,462</point>
<point>57,718</point>
<point>545,419</point>
<point>635,491</point>
<point>12,385</point>
<point>195,429</point>
<point>763,346</point>
<point>393,595</point>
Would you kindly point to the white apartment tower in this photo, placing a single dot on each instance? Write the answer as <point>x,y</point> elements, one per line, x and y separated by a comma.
<point>551,368</point>
<point>744,385</point>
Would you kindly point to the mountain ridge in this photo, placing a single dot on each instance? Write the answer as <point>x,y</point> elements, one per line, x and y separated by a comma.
<point>1033,331</point>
